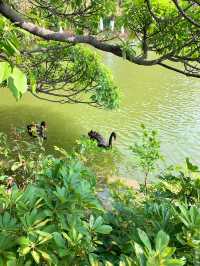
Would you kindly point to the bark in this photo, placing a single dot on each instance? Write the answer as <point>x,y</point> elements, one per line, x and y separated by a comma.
<point>144,43</point>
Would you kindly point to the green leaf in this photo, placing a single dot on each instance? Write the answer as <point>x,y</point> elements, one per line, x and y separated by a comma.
<point>175,262</point>
<point>140,254</point>
<point>162,240</point>
<point>191,167</point>
<point>168,251</point>
<point>10,48</point>
<point>103,229</point>
<point>59,239</point>
<point>3,177</point>
<point>17,83</point>
<point>91,221</point>
<point>45,255</point>
<point>107,263</point>
<point>5,70</point>
<point>98,222</point>
<point>23,241</point>
<point>15,166</point>
<point>25,250</point>
<point>144,238</point>
<point>93,260</point>
<point>36,256</point>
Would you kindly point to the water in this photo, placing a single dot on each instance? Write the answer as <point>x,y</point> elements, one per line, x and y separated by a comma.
<point>159,98</point>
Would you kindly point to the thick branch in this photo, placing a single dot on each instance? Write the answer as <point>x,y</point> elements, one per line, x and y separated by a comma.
<point>69,38</point>
<point>48,35</point>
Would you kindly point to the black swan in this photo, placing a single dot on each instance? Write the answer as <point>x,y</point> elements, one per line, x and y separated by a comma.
<point>37,130</point>
<point>100,140</point>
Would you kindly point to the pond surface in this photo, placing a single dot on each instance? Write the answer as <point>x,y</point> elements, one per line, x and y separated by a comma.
<point>159,98</point>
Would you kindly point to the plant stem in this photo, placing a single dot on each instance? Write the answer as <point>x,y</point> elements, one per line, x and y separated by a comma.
<point>145,182</point>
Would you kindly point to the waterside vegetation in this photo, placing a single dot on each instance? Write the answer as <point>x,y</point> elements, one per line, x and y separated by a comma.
<point>51,211</point>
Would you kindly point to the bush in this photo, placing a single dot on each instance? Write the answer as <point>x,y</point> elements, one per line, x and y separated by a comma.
<point>50,213</point>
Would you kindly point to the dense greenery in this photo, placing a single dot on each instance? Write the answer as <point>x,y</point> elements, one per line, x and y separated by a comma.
<point>57,73</point>
<point>51,206</point>
<point>51,212</point>
<point>40,52</point>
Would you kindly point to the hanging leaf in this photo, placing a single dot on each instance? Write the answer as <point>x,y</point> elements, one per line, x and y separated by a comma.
<point>10,48</point>
<point>5,70</point>
<point>32,82</point>
<point>17,83</point>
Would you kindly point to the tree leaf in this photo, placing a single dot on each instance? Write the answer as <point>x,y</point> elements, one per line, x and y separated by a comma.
<point>17,83</point>
<point>23,241</point>
<point>5,70</point>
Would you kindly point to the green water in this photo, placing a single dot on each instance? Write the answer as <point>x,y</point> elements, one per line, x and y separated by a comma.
<point>159,98</point>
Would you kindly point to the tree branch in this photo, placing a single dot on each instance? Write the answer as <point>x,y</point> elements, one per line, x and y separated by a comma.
<point>182,12</point>
<point>48,35</point>
<point>188,74</point>
<point>69,38</point>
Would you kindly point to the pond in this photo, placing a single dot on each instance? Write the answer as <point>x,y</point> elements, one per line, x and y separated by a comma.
<point>159,98</point>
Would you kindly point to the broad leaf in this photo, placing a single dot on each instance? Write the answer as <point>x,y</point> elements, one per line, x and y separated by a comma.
<point>5,70</point>
<point>36,256</point>
<point>144,238</point>
<point>17,83</point>
<point>162,240</point>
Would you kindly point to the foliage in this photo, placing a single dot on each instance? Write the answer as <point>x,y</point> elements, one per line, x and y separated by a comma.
<point>56,217</point>
<point>162,255</point>
<point>102,161</point>
<point>167,28</point>
<point>147,152</point>
<point>9,48</point>
<point>63,74</point>
<point>68,73</point>
<point>76,71</point>
<point>20,158</point>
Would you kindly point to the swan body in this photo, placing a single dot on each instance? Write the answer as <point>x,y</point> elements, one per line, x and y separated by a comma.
<point>100,139</point>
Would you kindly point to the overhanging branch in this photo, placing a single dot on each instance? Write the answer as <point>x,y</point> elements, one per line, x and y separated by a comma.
<point>70,38</point>
<point>48,35</point>
<point>182,12</point>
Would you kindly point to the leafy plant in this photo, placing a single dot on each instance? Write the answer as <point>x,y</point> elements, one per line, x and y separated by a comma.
<point>147,152</point>
<point>50,212</point>
<point>103,162</point>
<point>161,255</point>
